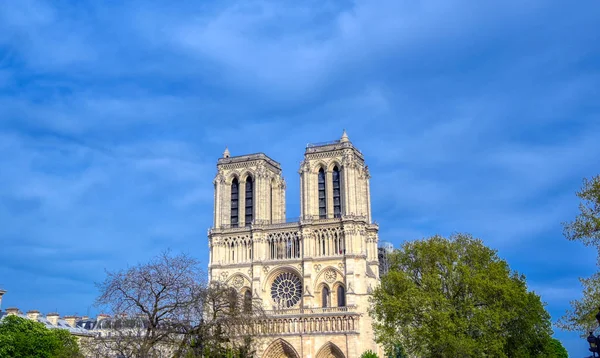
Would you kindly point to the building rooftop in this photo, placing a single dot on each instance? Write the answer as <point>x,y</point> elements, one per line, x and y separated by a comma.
<point>227,159</point>
<point>61,323</point>
<point>342,143</point>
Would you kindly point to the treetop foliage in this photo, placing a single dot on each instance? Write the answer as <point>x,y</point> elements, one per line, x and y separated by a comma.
<point>585,228</point>
<point>21,337</point>
<point>456,298</point>
<point>369,354</point>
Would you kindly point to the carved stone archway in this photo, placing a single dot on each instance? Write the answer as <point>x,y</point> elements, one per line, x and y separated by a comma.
<point>330,350</point>
<point>280,349</point>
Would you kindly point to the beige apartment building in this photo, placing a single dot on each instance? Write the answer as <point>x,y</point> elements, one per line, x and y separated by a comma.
<point>314,274</point>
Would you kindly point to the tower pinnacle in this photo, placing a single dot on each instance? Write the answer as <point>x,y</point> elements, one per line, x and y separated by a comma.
<point>344,138</point>
<point>226,153</point>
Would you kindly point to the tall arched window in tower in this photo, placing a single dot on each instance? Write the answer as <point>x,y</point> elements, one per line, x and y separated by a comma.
<point>337,201</point>
<point>325,297</point>
<point>234,202</point>
<point>341,296</point>
<point>322,197</point>
<point>249,201</point>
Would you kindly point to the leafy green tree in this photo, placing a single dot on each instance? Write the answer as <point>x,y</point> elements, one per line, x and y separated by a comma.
<point>20,337</point>
<point>557,350</point>
<point>585,228</point>
<point>369,354</point>
<point>456,298</point>
<point>397,351</point>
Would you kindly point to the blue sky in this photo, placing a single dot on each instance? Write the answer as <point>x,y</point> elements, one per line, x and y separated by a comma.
<point>473,117</point>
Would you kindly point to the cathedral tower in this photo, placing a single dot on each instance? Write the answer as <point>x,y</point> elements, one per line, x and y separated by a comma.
<point>334,181</point>
<point>313,276</point>
<point>248,189</point>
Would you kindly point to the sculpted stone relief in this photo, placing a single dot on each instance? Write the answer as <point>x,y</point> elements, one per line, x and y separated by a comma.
<point>261,171</point>
<point>219,178</point>
<point>237,281</point>
<point>330,275</point>
<point>305,166</point>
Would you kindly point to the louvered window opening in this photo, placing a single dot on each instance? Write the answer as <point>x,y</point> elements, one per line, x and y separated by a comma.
<point>337,202</point>
<point>234,203</point>
<point>249,202</point>
<point>322,196</point>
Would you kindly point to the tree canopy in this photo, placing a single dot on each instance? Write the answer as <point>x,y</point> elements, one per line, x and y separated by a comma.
<point>456,298</point>
<point>21,337</point>
<point>585,228</point>
<point>166,308</point>
<point>557,350</point>
<point>369,354</point>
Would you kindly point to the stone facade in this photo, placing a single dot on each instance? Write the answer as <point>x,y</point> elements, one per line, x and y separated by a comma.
<point>313,275</point>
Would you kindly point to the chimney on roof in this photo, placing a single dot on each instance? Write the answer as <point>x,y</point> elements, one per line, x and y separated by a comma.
<point>33,315</point>
<point>71,320</point>
<point>12,311</point>
<point>53,318</point>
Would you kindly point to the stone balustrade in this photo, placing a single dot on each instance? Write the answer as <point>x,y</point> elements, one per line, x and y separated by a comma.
<point>311,311</point>
<point>331,324</point>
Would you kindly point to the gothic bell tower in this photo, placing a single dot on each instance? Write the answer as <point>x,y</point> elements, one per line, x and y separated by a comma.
<point>334,181</point>
<point>249,189</point>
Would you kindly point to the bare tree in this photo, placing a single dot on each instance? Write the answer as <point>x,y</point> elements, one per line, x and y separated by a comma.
<point>166,308</point>
<point>148,302</point>
<point>228,327</point>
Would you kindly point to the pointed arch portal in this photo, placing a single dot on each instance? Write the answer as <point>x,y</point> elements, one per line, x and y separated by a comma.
<point>330,350</point>
<point>280,349</point>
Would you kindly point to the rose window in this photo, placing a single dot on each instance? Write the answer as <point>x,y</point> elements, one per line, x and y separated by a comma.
<point>286,290</point>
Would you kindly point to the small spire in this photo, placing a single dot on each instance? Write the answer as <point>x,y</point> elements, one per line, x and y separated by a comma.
<point>226,153</point>
<point>344,138</point>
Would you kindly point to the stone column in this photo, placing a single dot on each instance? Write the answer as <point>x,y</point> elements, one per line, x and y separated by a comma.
<point>269,199</point>
<point>282,200</point>
<point>302,201</point>
<point>225,208</point>
<point>360,193</point>
<point>368,190</point>
<point>217,206</point>
<point>352,186</point>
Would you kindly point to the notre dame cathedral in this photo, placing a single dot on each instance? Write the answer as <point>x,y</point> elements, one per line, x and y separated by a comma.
<point>313,275</point>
